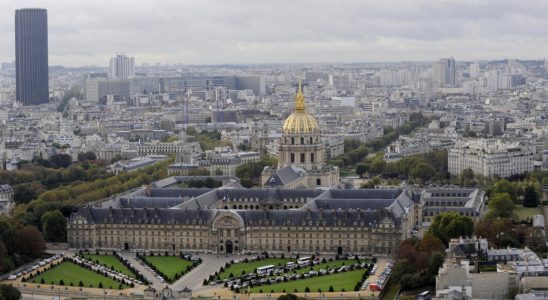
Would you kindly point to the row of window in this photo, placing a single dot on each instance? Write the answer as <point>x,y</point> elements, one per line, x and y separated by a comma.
<point>303,157</point>
<point>303,140</point>
<point>256,207</point>
<point>466,213</point>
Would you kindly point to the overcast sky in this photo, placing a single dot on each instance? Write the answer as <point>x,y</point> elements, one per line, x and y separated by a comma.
<point>83,32</point>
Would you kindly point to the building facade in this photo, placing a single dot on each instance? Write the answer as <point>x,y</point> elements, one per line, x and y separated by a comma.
<point>231,219</point>
<point>490,158</point>
<point>31,56</point>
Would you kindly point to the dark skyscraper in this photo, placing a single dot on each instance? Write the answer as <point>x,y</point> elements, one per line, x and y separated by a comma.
<point>31,56</point>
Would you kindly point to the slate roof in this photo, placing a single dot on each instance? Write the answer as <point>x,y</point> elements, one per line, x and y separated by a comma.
<point>285,176</point>
<point>301,217</point>
<point>178,193</point>
<point>181,179</point>
<point>355,218</point>
<point>146,216</point>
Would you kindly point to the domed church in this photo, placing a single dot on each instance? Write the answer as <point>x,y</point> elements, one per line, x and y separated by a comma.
<point>301,161</point>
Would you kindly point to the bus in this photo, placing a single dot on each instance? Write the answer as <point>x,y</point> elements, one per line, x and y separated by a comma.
<point>304,261</point>
<point>265,270</point>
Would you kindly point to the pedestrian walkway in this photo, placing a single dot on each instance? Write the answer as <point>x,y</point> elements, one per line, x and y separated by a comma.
<point>151,277</point>
<point>211,263</point>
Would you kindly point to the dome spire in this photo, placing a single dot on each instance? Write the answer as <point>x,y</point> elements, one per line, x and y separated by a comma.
<point>300,106</point>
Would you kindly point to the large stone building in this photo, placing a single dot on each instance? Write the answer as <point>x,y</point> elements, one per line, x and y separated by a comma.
<point>301,156</point>
<point>490,158</point>
<point>465,201</point>
<point>234,219</point>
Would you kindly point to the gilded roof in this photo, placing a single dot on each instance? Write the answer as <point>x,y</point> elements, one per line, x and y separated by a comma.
<point>300,121</point>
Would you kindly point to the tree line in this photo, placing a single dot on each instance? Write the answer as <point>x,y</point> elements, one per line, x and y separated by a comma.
<point>420,259</point>
<point>422,167</point>
<point>249,172</point>
<point>355,150</point>
<point>41,215</point>
<point>208,139</point>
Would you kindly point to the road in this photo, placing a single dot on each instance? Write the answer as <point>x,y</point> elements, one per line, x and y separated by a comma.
<point>151,277</point>
<point>211,263</point>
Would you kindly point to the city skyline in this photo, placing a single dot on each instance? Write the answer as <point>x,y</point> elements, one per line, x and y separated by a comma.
<point>246,32</point>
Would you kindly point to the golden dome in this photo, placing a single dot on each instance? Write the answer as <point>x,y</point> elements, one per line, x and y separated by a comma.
<point>300,121</point>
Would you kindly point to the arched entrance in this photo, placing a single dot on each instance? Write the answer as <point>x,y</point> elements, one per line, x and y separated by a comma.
<point>228,246</point>
<point>339,250</point>
<point>126,246</point>
<point>228,228</point>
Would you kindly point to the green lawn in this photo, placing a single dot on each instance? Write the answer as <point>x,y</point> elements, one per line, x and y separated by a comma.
<point>490,268</point>
<point>110,261</point>
<point>392,292</point>
<point>72,273</point>
<point>237,268</point>
<point>524,213</point>
<point>169,265</point>
<point>345,280</point>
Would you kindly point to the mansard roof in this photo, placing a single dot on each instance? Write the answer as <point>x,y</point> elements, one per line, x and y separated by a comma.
<point>300,217</point>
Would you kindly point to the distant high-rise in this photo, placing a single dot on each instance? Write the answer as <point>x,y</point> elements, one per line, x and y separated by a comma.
<point>31,56</point>
<point>474,71</point>
<point>122,66</point>
<point>444,72</point>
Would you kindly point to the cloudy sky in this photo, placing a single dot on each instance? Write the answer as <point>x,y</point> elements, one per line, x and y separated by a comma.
<point>83,32</point>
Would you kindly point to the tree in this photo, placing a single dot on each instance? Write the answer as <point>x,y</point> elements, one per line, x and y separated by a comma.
<point>501,206</point>
<point>251,170</point>
<point>410,281</point>
<point>5,262</point>
<point>423,171</point>
<point>530,196</point>
<point>434,263</point>
<point>89,155</point>
<point>288,297</point>
<point>467,173</point>
<point>8,292</point>
<point>449,225</point>
<point>504,186</point>
<point>54,226</point>
<point>430,244</point>
<point>361,169</point>
<point>29,241</point>
<point>402,267</point>
<point>494,229</point>
<point>24,193</point>
<point>60,160</point>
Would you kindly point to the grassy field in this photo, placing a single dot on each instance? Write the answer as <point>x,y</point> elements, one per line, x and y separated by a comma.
<point>339,281</point>
<point>490,268</point>
<point>110,261</point>
<point>392,292</point>
<point>169,265</point>
<point>524,213</point>
<point>72,273</point>
<point>237,268</point>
